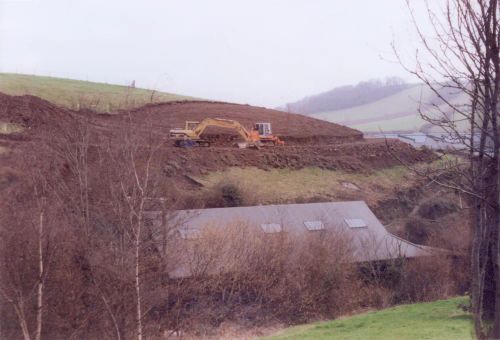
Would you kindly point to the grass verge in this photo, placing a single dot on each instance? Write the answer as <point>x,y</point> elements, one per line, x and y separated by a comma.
<point>434,320</point>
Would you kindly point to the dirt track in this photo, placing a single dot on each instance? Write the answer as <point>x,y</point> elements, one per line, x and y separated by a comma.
<point>358,156</point>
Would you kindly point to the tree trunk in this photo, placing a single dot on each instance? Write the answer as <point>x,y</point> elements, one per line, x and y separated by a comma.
<point>138,286</point>
<point>39,302</point>
<point>22,320</point>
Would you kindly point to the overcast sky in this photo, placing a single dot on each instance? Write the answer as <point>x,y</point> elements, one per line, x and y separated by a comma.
<point>261,52</point>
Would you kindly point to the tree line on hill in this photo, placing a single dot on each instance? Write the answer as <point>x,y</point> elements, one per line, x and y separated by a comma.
<point>344,97</point>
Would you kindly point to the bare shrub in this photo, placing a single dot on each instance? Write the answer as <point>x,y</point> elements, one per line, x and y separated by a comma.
<point>228,193</point>
<point>419,230</point>
<point>454,234</point>
<point>375,296</point>
<point>231,195</point>
<point>320,275</point>
<point>411,280</point>
<point>435,208</point>
<point>242,273</point>
<point>426,279</point>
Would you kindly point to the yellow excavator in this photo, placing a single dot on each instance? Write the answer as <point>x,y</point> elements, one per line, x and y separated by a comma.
<point>190,136</point>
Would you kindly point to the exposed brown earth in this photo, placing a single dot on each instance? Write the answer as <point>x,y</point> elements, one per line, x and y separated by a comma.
<point>290,127</point>
<point>358,156</point>
<point>32,112</point>
<point>310,142</point>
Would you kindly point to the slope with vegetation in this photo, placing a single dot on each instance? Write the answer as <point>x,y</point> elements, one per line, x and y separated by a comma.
<point>344,97</point>
<point>398,112</point>
<point>78,94</point>
<point>435,320</point>
<point>379,107</point>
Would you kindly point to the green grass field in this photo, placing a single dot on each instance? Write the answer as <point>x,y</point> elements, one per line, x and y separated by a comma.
<point>284,185</point>
<point>291,185</point>
<point>75,94</point>
<point>433,320</point>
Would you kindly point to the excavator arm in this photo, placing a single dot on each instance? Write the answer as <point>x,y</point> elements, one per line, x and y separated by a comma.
<point>224,123</point>
<point>192,133</point>
<point>195,133</point>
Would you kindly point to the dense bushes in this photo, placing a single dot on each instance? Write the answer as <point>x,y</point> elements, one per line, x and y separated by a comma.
<point>227,194</point>
<point>242,275</point>
<point>418,230</point>
<point>234,274</point>
<point>435,208</point>
<point>438,218</point>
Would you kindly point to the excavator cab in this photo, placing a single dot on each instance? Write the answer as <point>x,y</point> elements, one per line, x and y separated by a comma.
<point>191,124</point>
<point>264,129</point>
<point>266,134</point>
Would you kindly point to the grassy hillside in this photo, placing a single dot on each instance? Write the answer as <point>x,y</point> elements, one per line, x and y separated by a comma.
<point>75,94</point>
<point>287,185</point>
<point>398,112</point>
<point>344,97</point>
<point>434,320</point>
<point>273,186</point>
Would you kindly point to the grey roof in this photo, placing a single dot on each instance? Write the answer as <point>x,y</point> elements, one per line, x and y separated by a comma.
<point>368,237</point>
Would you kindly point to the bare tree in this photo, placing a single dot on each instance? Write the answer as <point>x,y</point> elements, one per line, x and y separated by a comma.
<point>462,57</point>
<point>133,181</point>
<point>26,247</point>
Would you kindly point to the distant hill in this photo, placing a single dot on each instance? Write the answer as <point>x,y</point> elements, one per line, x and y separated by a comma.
<point>347,96</point>
<point>77,94</point>
<point>382,107</point>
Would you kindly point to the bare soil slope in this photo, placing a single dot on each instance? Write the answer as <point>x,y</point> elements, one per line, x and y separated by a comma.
<point>31,112</point>
<point>290,127</point>
<point>310,142</point>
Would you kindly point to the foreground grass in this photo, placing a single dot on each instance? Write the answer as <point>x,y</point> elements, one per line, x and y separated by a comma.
<point>75,94</point>
<point>434,320</point>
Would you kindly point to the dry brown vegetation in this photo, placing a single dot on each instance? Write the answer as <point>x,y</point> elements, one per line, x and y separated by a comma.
<point>81,257</point>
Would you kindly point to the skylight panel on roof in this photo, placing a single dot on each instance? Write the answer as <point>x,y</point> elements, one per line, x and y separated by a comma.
<point>270,228</point>
<point>189,234</point>
<point>356,223</point>
<point>314,225</point>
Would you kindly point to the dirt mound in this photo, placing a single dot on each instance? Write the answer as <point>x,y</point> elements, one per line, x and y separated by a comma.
<point>356,157</point>
<point>31,112</point>
<point>290,127</point>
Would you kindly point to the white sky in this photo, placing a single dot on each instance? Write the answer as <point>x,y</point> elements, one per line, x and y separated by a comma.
<point>261,52</point>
